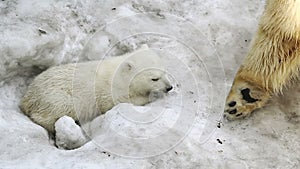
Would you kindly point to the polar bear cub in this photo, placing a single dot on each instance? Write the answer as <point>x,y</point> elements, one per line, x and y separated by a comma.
<point>85,90</point>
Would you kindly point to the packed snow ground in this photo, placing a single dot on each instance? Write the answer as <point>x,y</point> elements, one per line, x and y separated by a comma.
<point>203,42</point>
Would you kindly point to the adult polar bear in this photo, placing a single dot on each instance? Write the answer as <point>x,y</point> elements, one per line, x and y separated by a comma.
<point>273,61</point>
<point>86,90</point>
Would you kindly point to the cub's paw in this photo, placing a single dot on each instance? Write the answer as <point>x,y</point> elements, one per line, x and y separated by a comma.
<point>243,98</point>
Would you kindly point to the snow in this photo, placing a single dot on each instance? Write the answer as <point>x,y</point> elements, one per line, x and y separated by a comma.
<point>68,135</point>
<point>202,42</point>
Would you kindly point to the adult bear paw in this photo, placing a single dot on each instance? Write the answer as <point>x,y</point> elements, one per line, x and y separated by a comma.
<point>243,98</point>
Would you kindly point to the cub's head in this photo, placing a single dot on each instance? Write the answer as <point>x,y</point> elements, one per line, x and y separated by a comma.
<point>150,82</point>
<point>142,74</point>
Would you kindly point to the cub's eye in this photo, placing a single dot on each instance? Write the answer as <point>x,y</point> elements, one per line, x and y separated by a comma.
<point>155,79</point>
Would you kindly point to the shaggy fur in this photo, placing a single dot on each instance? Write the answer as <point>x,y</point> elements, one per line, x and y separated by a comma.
<point>85,90</point>
<point>273,61</point>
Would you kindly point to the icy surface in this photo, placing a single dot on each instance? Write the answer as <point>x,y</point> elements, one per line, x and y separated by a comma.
<point>202,42</point>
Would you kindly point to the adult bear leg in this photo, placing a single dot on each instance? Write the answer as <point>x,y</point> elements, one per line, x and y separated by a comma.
<point>272,63</point>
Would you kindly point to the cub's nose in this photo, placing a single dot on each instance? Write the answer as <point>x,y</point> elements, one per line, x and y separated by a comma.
<point>169,88</point>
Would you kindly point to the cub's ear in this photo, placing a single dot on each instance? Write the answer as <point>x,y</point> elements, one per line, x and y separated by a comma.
<point>144,47</point>
<point>127,66</point>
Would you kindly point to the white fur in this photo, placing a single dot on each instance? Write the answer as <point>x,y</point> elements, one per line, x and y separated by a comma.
<point>85,90</point>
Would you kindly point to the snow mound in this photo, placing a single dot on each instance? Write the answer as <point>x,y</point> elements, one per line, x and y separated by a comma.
<point>68,135</point>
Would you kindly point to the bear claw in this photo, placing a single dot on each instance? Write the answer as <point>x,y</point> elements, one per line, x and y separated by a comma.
<point>239,114</point>
<point>232,103</point>
<point>234,111</point>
